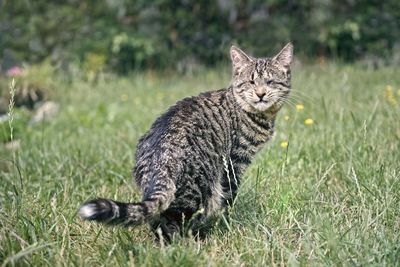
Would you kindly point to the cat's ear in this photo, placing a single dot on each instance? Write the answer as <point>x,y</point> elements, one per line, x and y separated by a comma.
<point>285,56</point>
<point>239,59</point>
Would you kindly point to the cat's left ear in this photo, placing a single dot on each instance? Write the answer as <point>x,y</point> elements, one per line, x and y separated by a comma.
<point>285,56</point>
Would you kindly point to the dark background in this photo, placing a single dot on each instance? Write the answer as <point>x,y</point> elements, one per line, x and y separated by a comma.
<point>124,35</point>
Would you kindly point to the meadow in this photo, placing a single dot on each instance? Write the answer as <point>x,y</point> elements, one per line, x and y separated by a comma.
<point>324,192</point>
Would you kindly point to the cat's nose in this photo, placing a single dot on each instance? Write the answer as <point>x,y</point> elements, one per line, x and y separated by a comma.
<point>260,94</point>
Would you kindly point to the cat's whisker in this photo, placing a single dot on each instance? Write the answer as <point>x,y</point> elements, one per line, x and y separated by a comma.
<point>294,93</point>
<point>298,101</point>
<point>290,104</point>
<point>301,99</point>
<point>304,96</point>
<point>300,92</point>
<point>285,100</point>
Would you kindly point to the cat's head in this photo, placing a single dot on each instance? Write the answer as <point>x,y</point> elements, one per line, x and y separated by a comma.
<point>261,84</point>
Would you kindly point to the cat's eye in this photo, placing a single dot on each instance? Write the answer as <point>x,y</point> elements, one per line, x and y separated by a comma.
<point>269,82</point>
<point>252,82</point>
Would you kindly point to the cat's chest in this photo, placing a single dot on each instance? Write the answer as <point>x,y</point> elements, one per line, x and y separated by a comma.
<point>251,136</point>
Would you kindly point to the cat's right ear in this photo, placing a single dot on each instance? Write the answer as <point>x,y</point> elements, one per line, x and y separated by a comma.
<point>239,59</point>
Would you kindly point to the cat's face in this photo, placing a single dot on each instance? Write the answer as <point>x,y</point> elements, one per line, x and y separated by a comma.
<point>261,84</point>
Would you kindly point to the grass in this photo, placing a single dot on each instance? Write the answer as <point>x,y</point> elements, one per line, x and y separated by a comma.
<point>330,198</point>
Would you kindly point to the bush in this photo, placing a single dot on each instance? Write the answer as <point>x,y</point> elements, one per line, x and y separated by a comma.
<point>166,33</point>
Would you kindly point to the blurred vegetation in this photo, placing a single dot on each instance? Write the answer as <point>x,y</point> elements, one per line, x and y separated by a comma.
<point>122,35</point>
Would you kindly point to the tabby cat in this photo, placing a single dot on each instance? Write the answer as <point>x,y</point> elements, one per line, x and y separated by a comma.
<point>189,164</point>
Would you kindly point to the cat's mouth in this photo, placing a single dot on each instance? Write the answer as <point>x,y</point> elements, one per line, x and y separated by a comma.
<point>262,105</point>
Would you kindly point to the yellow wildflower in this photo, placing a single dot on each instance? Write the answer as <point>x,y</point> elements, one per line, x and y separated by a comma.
<point>286,118</point>
<point>124,97</point>
<point>308,122</point>
<point>284,144</point>
<point>390,96</point>
<point>299,106</point>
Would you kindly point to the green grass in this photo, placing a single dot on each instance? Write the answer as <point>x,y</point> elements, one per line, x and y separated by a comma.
<point>330,199</point>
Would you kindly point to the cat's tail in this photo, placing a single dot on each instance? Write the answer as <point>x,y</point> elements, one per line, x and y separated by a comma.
<point>112,212</point>
<point>155,200</point>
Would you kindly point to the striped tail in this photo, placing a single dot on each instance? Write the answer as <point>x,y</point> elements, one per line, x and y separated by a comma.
<point>112,212</point>
<point>129,214</point>
<point>108,211</point>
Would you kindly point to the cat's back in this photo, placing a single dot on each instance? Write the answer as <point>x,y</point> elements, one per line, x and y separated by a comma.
<point>189,116</point>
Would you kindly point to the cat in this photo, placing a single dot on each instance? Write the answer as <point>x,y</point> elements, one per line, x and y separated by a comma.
<point>189,164</point>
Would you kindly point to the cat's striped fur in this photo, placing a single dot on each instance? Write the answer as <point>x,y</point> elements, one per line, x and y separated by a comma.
<point>189,164</point>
